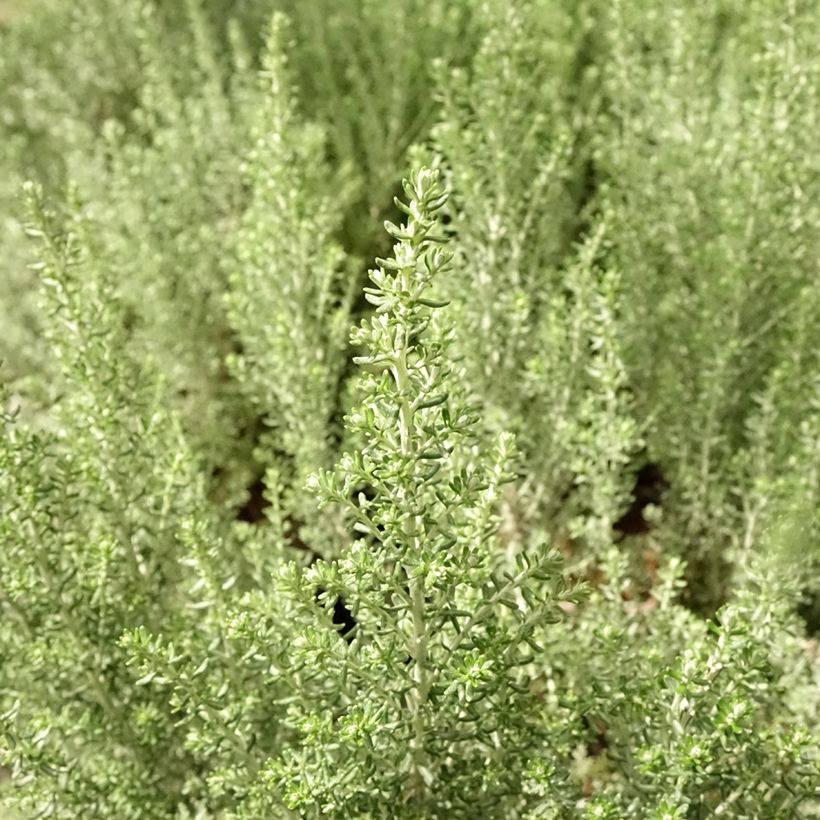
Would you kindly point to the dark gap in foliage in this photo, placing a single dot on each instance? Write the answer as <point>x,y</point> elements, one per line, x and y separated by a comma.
<point>343,618</point>
<point>295,540</point>
<point>809,611</point>
<point>649,487</point>
<point>598,743</point>
<point>585,184</point>
<point>253,510</point>
<point>596,747</point>
<point>130,319</point>
<point>706,590</point>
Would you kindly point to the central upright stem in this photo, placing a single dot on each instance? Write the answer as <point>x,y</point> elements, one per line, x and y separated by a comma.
<point>418,697</point>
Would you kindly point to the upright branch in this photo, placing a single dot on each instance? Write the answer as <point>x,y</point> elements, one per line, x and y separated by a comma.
<point>444,617</point>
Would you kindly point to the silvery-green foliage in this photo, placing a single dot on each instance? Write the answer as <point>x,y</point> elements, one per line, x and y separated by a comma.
<point>599,432</point>
<point>538,319</point>
<point>611,263</point>
<point>365,70</point>
<point>153,139</point>
<point>669,709</point>
<point>288,298</point>
<point>91,503</point>
<point>173,190</point>
<point>432,717</point>
<point>717,232</point>
<point>504,152</point>
<point>403,710</point>
<point>101,59</point>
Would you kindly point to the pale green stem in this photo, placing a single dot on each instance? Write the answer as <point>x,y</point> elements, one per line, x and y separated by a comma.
<point>416,584</point>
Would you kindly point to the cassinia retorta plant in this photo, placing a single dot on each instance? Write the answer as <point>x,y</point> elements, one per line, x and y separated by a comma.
<point>537,538</point>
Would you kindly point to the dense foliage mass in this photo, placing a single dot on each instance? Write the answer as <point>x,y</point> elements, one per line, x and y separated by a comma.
<point>538,537</point>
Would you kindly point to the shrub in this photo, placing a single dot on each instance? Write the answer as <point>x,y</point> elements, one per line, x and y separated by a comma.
<point>537,538</point>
